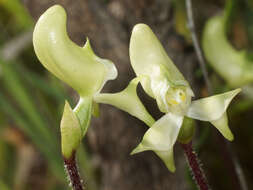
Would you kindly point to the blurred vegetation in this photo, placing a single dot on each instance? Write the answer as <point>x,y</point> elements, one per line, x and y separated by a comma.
<point>31,103</point>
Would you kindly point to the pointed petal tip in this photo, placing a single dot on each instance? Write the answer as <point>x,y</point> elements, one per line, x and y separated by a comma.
<point>172,170</point>
<point>138,149</point>
<point>236,91</point>
<point>67,107</point>
<point>134,152</point>
<point>230,137</point>
<point>87,44</point>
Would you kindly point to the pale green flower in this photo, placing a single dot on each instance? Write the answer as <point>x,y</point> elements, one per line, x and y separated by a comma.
<point>86,73</point>
<point>78,66</point>
<point>221,54</point>
<point>173,95</point>
<point>161,80</point>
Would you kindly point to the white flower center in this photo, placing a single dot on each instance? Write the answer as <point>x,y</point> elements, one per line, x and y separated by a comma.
<point>178,99</point>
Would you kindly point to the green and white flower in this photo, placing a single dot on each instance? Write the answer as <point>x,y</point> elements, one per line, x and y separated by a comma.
<point>161,80</point>
<point>85,72</point>
<point>78,66</point>
<point>173,95</point>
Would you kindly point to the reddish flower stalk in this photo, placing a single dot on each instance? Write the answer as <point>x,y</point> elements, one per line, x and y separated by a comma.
<point>193,161</point>
<point>72,172</point>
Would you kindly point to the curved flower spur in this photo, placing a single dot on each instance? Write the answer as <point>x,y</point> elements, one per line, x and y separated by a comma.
<point>161,80</point>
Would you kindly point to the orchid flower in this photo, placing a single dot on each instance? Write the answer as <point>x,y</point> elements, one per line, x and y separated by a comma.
<point>86,73</point>
<point>78,66</point>
<point>221,54</point>
<point>161,80</point>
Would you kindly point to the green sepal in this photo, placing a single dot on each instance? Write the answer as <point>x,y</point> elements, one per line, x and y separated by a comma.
<point>71,133</point>
<point>83,111</point>
<point>187,131</point>
<point>128,101</point>
<point>95,109</point>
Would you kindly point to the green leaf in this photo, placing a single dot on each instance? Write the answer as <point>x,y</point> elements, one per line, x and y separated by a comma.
<point>70,132</point>
<point>78,66</point>
<point>128,101</point>
<point>15,86</point>
<point>50,153</point>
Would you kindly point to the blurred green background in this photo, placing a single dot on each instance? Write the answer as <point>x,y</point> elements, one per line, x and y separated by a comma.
<point>31,103</point>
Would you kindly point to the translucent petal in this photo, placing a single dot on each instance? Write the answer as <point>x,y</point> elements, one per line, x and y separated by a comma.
<point>148,58</point>
<point>162,135</point>
<point>127,100</point>
<point>161,138</point>
<point>211,108</point>
<point>70,131</point>
<point>168,158</point>
<point>222,125</point>
<point>78,67</point>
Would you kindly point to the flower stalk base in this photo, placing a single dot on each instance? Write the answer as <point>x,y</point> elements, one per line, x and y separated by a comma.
<point>72,172</point>
<point>193,161</point>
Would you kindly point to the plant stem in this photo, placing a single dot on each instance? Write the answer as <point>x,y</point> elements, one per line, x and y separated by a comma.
<point>72,172</point>
<point>193,161</point>
<point>196,45</point>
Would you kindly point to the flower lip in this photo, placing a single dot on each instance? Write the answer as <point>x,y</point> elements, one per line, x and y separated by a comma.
<point>178,99</point>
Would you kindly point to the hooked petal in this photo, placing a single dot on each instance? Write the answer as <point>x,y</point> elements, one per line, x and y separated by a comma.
<point>168,158</point>
<point>78,67</point>
<point>161,138</point>
<point>222,125</point>
<point>213,109</point>
<point>127,100</point>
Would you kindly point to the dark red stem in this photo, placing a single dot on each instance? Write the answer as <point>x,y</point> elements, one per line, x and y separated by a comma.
<point>193,161</point>
<point>72,171</point>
